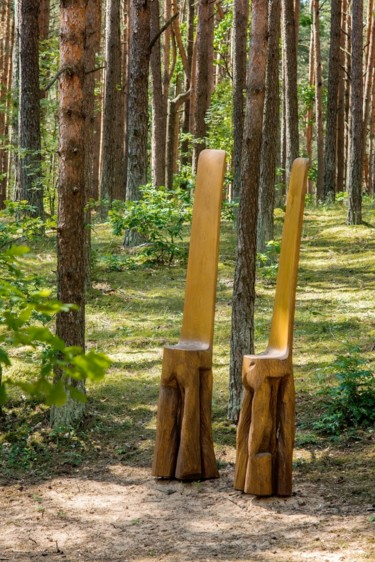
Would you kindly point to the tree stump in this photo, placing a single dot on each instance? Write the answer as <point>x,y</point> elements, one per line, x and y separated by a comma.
<point>184,446</point>
<point>265,433</point>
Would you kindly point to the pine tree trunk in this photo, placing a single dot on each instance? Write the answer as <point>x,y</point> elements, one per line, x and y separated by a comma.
<point>29,107</point>
<point>242,337</point>
<point>93,18</point>
<point>185,156</point>
<point>202,98</point>
<point>138,97</point>
<point>356,104</point>
<point>341,106</point>
<point>112,182</point>
<point>240,23</point>
<point>270,131</point>
<point>309,114</point>
<point>5,65</point>
<point>368,86</point>
<point>291,99</point>
<point>70,326</point>
<point>318,99</point>
<point>159,104</point>
<point>330,150</point>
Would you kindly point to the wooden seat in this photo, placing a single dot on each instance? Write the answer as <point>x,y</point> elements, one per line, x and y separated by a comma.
<point>184,446</point>
<point>265,433</point>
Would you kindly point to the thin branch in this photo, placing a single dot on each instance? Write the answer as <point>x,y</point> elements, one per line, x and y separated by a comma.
<point>162,29</point>
<point>95,69</point>
<point>67,68</point>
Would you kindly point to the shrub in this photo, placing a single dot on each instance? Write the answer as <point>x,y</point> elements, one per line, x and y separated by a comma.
<point>352,400</point>
<point>158,217</point>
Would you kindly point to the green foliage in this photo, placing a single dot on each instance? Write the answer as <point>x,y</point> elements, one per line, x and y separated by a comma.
<point>26,309</point>
<point>219,117</point>
<point>158,217</point>
<point>352,399</point>
<point>268,261</point>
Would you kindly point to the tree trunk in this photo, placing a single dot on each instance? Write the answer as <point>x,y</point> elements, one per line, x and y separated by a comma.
<point>202,98</point>
<point>185,156</point>
<point>291,99</point>
<point>330,151</point>
<point>242,337</point>
<point>270,131</point>
<point>240,23</point>
<point>309,114</point>
<point>318,99</point>
<point>92,45</point>
<point>138,97</point>
<point>173,107</point>
<point>341,106</point>
<point>356,101</point>
<point>112,184</point>
<point>159,106</point>
<point>368,86</point>
<point>29,107</point>
<point>5,65</point>
<point>70,326</point>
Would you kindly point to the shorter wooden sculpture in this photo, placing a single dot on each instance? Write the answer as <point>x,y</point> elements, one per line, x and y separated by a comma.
<point>184,446</point>
<point>265,434</point>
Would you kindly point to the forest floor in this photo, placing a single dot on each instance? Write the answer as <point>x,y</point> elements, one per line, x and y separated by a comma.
<point>88,494</point>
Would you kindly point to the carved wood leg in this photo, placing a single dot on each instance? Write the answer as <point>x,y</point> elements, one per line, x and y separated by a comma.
<point>286,436</point>
<point>188,464</point>
<point>208,461</point>
<point>258,478</point>
<point>167,433</point>
<point>243,430</point>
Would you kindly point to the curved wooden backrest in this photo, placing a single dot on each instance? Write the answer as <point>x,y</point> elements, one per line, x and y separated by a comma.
<point>281,335</point>
<point>200,293</point>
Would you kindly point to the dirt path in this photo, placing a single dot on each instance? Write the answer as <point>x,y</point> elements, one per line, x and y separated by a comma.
<point>119,513</point>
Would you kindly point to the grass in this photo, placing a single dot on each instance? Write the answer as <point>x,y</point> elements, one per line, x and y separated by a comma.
<point>132,314</point>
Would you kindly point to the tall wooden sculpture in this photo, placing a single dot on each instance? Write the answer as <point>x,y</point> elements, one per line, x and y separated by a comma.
<point>184,447</point>
<point>265,434</point>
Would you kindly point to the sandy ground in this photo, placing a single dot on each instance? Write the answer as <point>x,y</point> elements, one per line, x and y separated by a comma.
<point>120,513</point>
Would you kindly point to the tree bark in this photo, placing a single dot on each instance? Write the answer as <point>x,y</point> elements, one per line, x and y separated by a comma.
<point>309,114</point>
<point>240,23</point>
<point>203,93</point>
<point>356,104</point>
<point>291,99</point>
<point>111,183</point>
<point>341,105</point>
<point>70,326</point>
<point>159,104</point>
<point>29,107</point>
<point>242,337</point>
<point>318,99</point>
<point>5,65</point>
<point>330,150</point>
<point>270,131</point>
<point>92,45</point>
<point>138,97</point>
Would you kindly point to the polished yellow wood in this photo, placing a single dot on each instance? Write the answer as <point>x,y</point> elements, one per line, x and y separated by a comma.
<point>265,433</point>
<point>184,446</point>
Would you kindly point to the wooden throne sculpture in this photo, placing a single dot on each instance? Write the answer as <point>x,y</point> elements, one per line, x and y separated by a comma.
<point>265,433</point>
<point>184,446</point>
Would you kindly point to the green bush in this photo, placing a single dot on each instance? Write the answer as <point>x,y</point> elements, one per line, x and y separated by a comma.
<point>351,401</point>
<point>158,217</point>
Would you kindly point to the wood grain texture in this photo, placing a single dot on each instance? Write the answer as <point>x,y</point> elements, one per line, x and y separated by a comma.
<point>265,433</point>
<point>184,446</point>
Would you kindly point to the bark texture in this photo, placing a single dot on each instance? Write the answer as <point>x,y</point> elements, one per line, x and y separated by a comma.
<point>29,106</point>
<point>242,337</point>
<point>112,181</point>
<point>203,74</point>
<point>356,104</point>
<point>330,149</point>
<point>270,131</point>
<point>70,326</point>
<point>290,86</point>
<point>159,104</point>
<point>318,99</point>
<point>240,23</point>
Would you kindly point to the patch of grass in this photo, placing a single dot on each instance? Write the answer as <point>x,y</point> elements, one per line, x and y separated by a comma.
<point>133,313</point>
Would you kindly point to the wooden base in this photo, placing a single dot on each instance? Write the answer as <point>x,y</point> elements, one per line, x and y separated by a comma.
<point>184,446</point>
<point>265,433</point>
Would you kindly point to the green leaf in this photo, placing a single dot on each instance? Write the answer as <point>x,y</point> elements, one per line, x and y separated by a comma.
<point>57,394</point>
<point>4,358</point>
